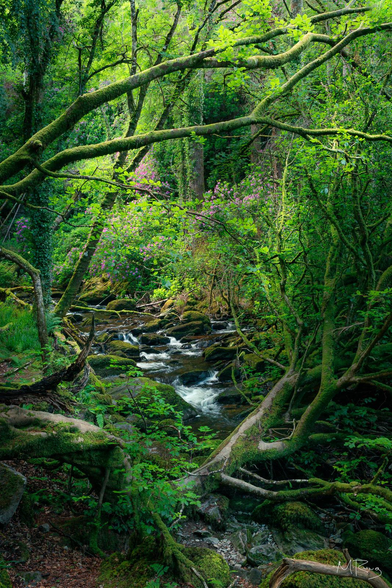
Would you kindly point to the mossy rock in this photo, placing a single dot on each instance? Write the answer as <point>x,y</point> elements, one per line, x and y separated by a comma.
<point>288,515</point>
<point>214,510</point>
<point>225,374</point>
<point>191,328</point>
<point>190,316</point>
<point>154,339</point>
<point>153,326</point>
<point>124,349</point>
<point>211,565</point>
<point>97,295</point>
<point>311,580</point>
<point>135,571</point>
<point>254,361</point>
<point>110,365</point>
<point>12,485</point>
<point>97,290</point>
<point>101,318</point>
<point>121,304</point>
<point>217,353</point>
<point>371,546</point>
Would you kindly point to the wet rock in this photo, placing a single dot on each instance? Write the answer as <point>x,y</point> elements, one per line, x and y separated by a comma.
<point>110,365</point>
<point>219,326</point>
<point>193,377</point>
<point>217,353</point>
<point>225,374</point>
<point>295,540</point>
<point>121,304</point>
<point>192,328</point>
<point>255,576</point>
<point>124,349</point>
<point>152,326</point>
<point>263,548</point>
<point>241,540</point>
<point>214,511</point>
<point>154,339</point>
<point>231,396</point>
<point>191,316</point>
<point>12,485</point>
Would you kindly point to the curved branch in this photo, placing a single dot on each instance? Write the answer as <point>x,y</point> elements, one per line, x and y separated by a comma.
<point>349,570</point>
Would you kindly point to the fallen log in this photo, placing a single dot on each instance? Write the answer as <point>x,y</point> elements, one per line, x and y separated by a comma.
<point>8,394</point>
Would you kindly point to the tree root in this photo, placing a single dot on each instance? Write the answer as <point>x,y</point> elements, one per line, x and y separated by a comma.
<point>173,552</point>
<point>349,570</point>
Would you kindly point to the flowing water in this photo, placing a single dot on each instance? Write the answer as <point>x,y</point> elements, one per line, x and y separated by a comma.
<point>182,365</point>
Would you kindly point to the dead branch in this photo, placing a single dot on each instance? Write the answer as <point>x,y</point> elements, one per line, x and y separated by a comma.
<point>349,569</point>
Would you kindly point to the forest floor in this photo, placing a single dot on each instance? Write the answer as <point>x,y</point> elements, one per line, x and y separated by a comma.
<point>40,554</point>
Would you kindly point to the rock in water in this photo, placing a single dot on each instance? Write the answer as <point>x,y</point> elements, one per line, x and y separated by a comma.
<point>12,485</point>
<point>122,304</point>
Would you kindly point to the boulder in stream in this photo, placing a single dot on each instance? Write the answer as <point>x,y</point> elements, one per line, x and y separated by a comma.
<point>190,316</point>
<point>154,339</point>
<point>192,328</point>
<point>193,377</point>
<point>217,353</point>
<point>12,485</point>
<point>122,304</point>
<point>124,349</point>
<point>110,365</point>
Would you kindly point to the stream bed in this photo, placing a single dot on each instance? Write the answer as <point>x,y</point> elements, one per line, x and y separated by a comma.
<point>182,365</point>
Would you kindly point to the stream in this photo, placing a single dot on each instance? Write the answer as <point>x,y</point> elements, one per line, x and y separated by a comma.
<point>182,365</point>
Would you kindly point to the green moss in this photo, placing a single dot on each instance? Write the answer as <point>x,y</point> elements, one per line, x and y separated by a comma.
<point>110,365</point>
<point>211,565</point>
<point>310,580</point>
<point>287,515</point>
<point>122,304</point>
<point>123,349</point>
<point>217,353</point>
<point>191,316</point>
<point>134,570</point>
<point>191,328</point>
<point>371,546</point>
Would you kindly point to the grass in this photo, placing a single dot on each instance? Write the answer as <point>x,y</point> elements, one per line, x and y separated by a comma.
<point>22,335</point>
